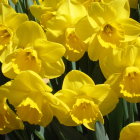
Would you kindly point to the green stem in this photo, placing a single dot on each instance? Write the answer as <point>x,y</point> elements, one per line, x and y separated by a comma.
<point>18,135</point>
<point>131,112</point>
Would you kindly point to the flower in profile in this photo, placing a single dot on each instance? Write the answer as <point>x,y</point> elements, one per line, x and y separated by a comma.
<point>9,22</point>
<point>123,72</point>
<point>86,101</point>
<point>32,97</point>
<point>130,132</point>
<point>107,29</point>
<point>9,120</point>
<point>59,23</point>
<point>34,52</point>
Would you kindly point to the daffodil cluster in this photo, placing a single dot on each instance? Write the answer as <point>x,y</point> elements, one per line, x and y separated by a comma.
<point>66,30</point>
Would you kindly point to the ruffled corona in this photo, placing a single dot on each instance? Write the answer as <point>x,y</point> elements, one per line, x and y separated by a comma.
<point>85,111</point>
<point>9,121</point>
<point>130,89</point>
<point>5,36</point>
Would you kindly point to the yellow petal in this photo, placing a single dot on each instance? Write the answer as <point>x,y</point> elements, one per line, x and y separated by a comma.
<point>47,115</point>
<point>114,82</point>
<point>116,61</point>
<point>27,109</point>
<point>85,28</point>
<point>27,83</point>
<point>52,70</point>
<point>130,132</point>
<point>29,32</point>
<point>9,120</point>
<point>52,3</point>
<point>131,27</point>
<point>5,11</point>
<point>49,51</point>
<point>38,10</point>
<point>54,23</point>
<point>72,11</point>
<point>69,98</point>
<point>90,126</point>
<point>95,50</point>
<point>57,106</point>
<point>101,95</point>
<point>75,80</point>
<point>84,111</point>
<point>15,20</point>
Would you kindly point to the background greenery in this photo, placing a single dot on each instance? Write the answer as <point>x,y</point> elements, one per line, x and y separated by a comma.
<point>123,114</point>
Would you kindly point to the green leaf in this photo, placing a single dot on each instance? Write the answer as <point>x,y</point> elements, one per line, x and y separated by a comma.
<point>40,134</point>
<point>100,132</point>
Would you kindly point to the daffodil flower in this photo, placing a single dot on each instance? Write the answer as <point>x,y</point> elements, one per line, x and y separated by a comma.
<point>9,121</point>
<point>9,22</point>
<point>33,100</point>
<point>130,132</point>
<point>59,24</point>
<point>34,52</point>
<point>123,72</point>
<point>124,5</point>
<point>86,101</point>
<point>106,29</point>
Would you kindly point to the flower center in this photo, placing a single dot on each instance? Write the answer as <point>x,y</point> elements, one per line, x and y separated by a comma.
<point>130,83</point>
<point>85,111</point>
<point>5,35</point>
<point>109,30</point>
<point>26,59</point>
<point>72,41</point>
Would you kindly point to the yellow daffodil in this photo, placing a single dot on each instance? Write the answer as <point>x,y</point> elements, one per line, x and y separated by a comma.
<point>124,5</point>
<point>86,101</point>
<point>32,100</point>
<point>107,29</point>
<point>130,132</point>
<point>35,53</point>
<point>122,71</point>
<point>59,24</point>
<point>9,22</point>
<point>9,121</point>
